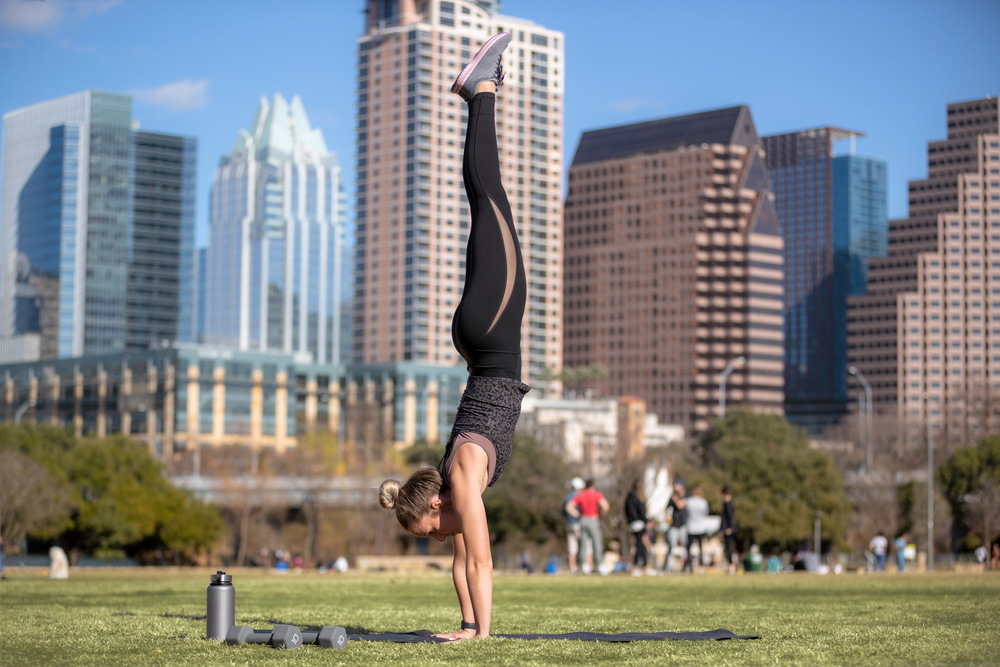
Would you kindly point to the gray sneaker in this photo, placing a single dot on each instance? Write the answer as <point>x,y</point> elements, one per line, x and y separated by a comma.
<point>485,66</point>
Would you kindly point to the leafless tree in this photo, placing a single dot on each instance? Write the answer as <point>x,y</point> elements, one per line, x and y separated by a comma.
<point>312,463</point>
<point>982,511</point>
<point>247,504</point>
<point>874,506</point>
<point>942,520</point>
<point>31,500</point>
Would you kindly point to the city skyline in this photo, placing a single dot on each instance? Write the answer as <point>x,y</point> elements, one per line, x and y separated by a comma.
<point>197,90</point>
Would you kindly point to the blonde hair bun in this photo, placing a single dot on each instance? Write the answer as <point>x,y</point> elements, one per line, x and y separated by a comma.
<point>387,493</point>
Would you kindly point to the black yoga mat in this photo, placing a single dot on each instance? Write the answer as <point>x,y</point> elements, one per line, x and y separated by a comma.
<point>426,636</point>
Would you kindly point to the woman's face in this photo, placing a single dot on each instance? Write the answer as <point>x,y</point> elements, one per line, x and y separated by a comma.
<point>440,522</point>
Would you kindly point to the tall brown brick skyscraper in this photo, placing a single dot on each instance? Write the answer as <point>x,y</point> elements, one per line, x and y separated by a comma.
<point>674,264</point>
<point>411,209</point>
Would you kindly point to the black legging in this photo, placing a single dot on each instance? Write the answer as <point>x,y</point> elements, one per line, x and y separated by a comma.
<point>689,563</point>
<point>640,548</point>
<point>486,328</point>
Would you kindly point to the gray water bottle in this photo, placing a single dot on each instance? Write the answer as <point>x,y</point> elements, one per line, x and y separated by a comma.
<point>221,606</point>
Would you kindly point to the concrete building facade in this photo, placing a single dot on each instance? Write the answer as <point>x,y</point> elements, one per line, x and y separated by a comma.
<point>412,214</point>
<point>923,333</point>
<point>674,265</point>
<point>602,435</point>
<point>180,398</point>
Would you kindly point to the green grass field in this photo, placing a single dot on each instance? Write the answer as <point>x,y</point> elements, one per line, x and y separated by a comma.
<point>150,617</point>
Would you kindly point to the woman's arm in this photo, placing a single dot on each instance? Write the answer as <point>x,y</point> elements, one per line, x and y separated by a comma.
<point>468,478</point>
<point>461,583</point>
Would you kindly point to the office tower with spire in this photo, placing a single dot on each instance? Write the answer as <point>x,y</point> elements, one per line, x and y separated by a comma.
<point>926,330</point>
<point>96,232</point>
<point>412,215</point>
<point>674,265</point>
<point>272,278</point>
<point>833,212</point>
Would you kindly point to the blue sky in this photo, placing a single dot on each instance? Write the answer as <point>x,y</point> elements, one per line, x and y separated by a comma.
<point>885,68</point>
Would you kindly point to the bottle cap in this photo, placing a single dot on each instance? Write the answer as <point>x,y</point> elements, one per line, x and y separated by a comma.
<point>222,578</point>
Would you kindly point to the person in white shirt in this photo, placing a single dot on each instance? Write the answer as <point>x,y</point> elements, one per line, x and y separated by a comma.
<point>879,545</point>
<point>697,514</point>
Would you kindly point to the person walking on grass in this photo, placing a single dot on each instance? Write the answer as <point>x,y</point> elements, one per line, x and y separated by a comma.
<point>879,546</point>
<point>486,329</point>
<point>589,505</point>
<point>728,528</point>
<point>635,516</point>
<point>697,516</point>
<point>572,527</point>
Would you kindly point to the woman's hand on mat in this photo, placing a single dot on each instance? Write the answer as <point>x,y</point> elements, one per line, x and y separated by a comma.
<point>458,636</point>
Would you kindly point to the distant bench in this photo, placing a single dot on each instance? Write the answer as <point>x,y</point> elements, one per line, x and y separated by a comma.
<point>409,564</point>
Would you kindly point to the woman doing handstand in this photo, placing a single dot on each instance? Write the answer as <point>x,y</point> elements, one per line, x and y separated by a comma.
<point>447,501</point>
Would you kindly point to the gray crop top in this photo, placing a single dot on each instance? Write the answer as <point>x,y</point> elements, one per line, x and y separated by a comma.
<point>459,439</point>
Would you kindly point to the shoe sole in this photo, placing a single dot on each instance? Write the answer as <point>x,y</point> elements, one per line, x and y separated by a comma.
<point>471,67</point>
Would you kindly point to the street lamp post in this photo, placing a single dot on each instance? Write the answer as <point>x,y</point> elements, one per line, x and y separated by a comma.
<point>817,543</point>
<point>730,367</point>
<point>853,370</point>
<point>862,440</point>
<point>30,403</point>
<point>930,486</point>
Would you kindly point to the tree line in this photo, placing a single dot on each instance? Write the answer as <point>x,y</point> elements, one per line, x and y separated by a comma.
<point>106,497</point>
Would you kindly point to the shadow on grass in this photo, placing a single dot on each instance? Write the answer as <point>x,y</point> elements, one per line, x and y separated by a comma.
<point>350,629</point>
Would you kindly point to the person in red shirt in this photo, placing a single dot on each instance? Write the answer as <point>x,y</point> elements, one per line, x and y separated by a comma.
<point>588,505</point>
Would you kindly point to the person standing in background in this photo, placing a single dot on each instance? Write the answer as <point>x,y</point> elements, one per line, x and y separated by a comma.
<point>572,526</point>
<point>900,546</point>
<point>677,532</point>
<point>588,505</point>
<point>635,516</point>
<point>879,546</point>
<point>697,514</point>
<point>728,528</point>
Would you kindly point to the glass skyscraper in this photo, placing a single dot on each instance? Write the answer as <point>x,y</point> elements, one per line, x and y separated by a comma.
<point>860,220</point>
<point>81,268</point>
<point>834,217</point>
<point>275,236</point>
<point>161,290</point>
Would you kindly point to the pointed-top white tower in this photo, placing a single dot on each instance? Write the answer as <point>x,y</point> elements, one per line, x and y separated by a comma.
<point>275,236</point>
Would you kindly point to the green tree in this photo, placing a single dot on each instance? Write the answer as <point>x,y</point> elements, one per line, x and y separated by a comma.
<point>968,468</point>
<point>526,504</point>
<point>779,482</point>
<point>423,453</point>
<point>576,377</point>
<point>969,481</point>
<point>192,528</point>
<point>122,501</point>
